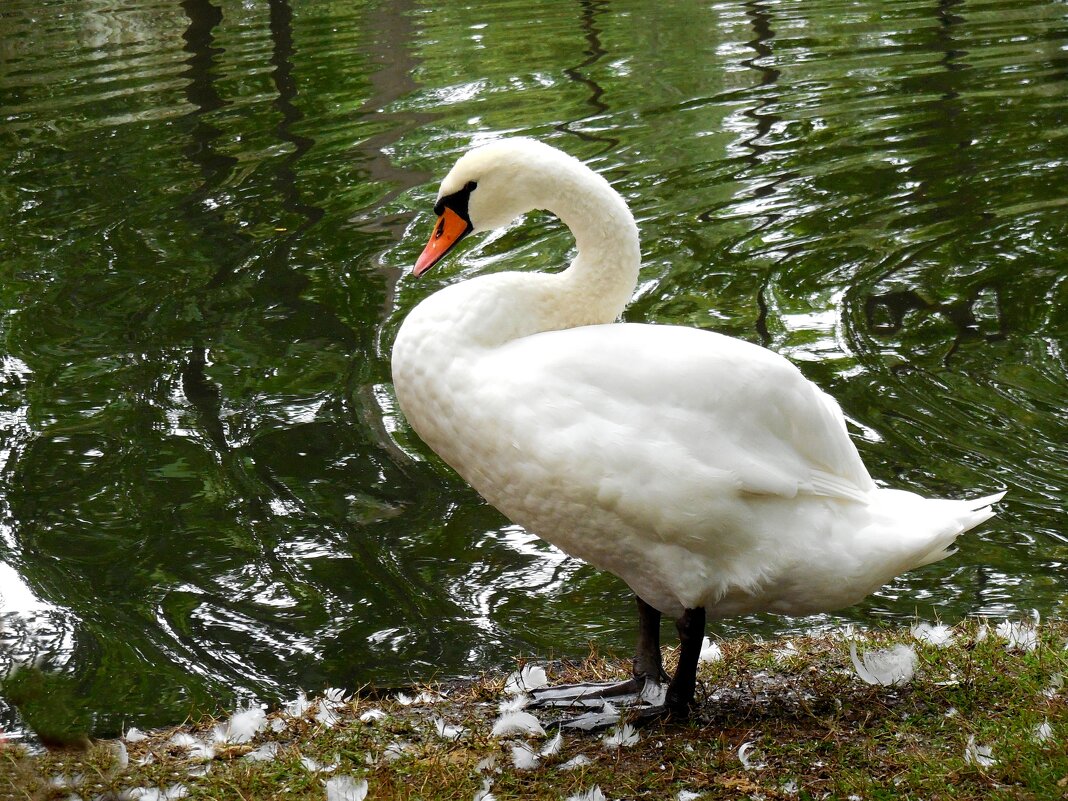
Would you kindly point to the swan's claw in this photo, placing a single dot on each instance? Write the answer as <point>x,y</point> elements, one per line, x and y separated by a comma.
<point>599,704</point>
<point>587,695</point>
<point>587,721</point>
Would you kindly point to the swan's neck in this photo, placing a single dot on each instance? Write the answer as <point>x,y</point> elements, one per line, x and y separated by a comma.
<point>490,310</point>
<point>601,279</point>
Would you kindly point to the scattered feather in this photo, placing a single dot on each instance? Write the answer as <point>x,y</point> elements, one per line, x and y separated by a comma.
<point>938,634</point>
<point>749,757</point>
<point>593,794</point>
<point>196,748</point>
<point>576,762</point>
<point>134,735</point>
<point>514,704</point>
<point>552,748</point>
<point>314,766</point>
<point>327,716</point>
<point>982,632</point>
<point>622,736</point>
<point>710,651</point>
<point>371,715</point>
<point>329,707</point>
<point>787,652</point>
<point>484,794</point>
<point>487,763</point>
<point>523,756</point>
<point>517,723</point>
<point>445,730</point>
<point>277,725</point>
<point>688,795</point>
<point>335,695</point>
<point>298,706</point>
<point>265,753</point>
<point>423,698</point>
<point>242,727</point>
<point>653,693</point>
<point>346,788</point>
<point>530,677</point>
<point>790,787</point>
<point>1017,636</point>
<point>848,632</point>
<point>981,755</point>
<point>396,750</point>
<point>887,667</point>
<point>171,793</point>
<point>122,756</point>
<point>64,782</point>
<point>1056,684</point>
<point>1043,732</point>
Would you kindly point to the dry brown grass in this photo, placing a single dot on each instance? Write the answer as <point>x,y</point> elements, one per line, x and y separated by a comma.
<point>815,731</point>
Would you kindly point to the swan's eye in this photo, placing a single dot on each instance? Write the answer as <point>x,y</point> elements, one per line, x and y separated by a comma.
<point>457,201</point>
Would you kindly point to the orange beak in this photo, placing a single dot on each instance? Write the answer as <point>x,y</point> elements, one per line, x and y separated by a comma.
<point>450,229</point>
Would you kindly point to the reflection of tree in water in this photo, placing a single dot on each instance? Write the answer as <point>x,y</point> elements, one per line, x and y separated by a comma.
<point>207,217</point>
<point>762,121</point>
<point>285,84</point>
<point>281,282</point>
<point>199,36</point>
<point>940,162</point>
<point>34,647</point>
<point>886,315</point>
<point>391,52</point>
<point>591,9</point>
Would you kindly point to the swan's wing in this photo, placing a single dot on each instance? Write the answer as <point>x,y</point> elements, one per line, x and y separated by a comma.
<point>692,412</point>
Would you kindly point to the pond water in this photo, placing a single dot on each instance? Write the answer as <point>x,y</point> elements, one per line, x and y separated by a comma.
<point>209,215</point>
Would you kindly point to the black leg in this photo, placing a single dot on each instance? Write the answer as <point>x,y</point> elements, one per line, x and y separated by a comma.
<point>680,692</point>
<point>648,663</point>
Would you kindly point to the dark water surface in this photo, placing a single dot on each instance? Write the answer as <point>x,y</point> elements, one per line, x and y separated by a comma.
<point>207,214</point>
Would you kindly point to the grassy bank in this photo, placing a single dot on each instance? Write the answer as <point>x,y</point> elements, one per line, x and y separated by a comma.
<point>984,716</point>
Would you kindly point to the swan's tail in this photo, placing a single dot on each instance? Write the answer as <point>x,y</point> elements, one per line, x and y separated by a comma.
<point>963,516</point>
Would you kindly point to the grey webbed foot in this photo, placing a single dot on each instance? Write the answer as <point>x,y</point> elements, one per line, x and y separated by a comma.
<point>641,698</point>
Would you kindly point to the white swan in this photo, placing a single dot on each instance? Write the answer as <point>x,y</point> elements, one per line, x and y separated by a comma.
<point>704,471</point>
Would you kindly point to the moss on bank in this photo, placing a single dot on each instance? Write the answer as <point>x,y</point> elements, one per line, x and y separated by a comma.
<point>983,717</point>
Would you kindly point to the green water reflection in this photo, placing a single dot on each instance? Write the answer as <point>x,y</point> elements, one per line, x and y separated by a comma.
<point>208,215</point>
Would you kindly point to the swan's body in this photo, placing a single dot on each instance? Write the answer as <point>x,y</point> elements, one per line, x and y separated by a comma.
<point>705,471</point>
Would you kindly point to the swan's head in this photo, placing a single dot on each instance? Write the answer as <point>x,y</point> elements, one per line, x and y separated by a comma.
<point>491,186</point>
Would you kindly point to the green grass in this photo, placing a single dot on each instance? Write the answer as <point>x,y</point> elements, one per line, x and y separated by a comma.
<point>815,729</point>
